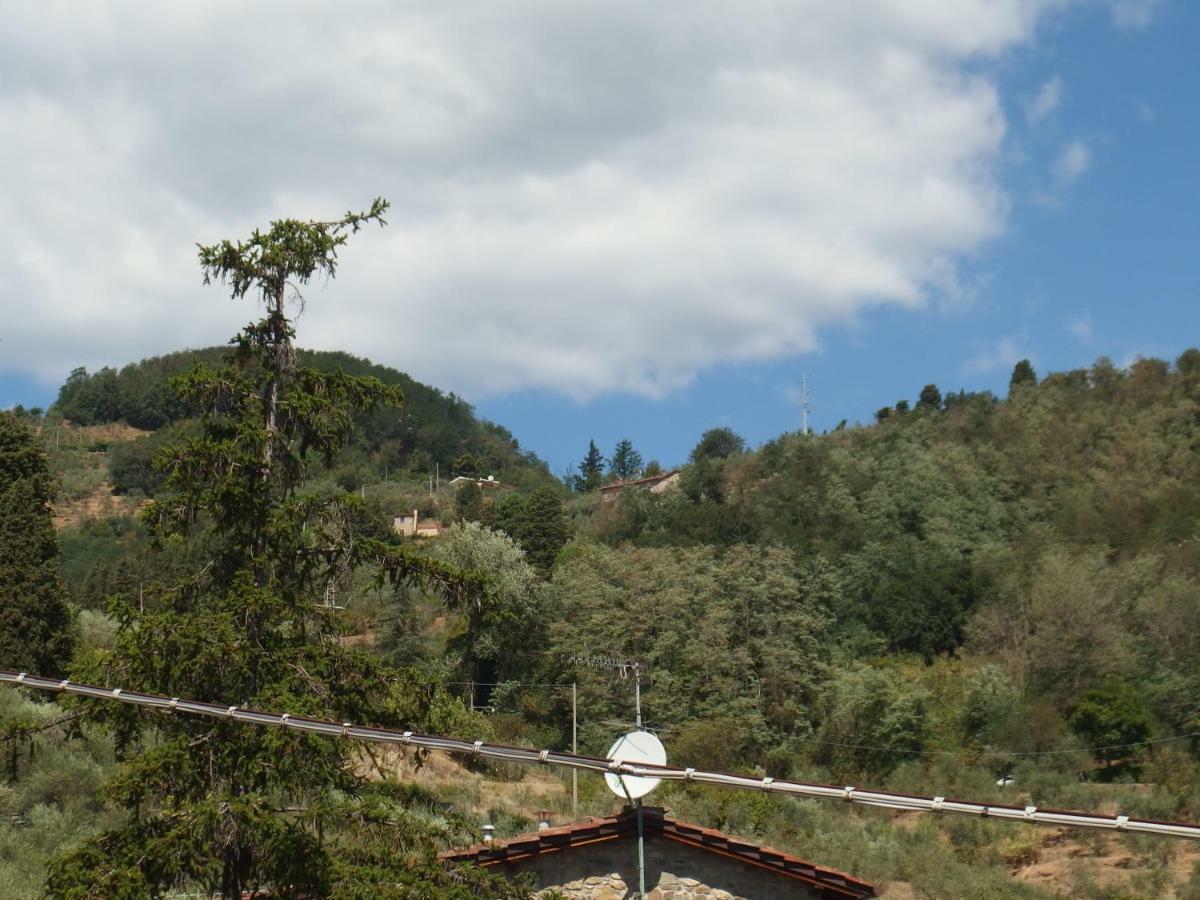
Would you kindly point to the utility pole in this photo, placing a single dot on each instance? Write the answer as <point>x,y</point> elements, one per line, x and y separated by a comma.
<point>574,746</point>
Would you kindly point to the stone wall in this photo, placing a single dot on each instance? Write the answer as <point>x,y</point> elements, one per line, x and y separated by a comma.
<point>674,871</point>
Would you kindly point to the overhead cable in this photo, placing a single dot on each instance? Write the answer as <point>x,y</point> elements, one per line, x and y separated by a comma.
<point>480,749</point>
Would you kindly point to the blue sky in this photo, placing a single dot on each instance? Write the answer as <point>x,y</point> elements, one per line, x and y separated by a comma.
<point>619,225</point>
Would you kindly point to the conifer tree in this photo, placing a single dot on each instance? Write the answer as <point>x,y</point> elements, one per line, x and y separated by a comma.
<point>542,528</point>
<point>626,462</point>
<point>591,470</point>
<point>35,621</point>
<point>221,806</point>
<point>1022,376</point>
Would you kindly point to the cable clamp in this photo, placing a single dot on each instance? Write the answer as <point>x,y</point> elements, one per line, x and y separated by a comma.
<point>21,677</point>
<point>848,793</point>
<point>984,811</point>
<point>1122,821</point>
<point>62,685</point>
<point>544,756</point>
<point>283,720</point>
<point>614,765</point>
<point>477,747</point>
<point>175,702</point>
<point>689,773</point>
<point>229,712</point>
<point>406,738</point>
<point>346,726</point>
<point>1030,811</point>
<point>936,806</point>
<point>767,782</point>
<point>116,693</point>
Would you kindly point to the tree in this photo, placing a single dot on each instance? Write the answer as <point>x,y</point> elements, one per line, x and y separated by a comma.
<point>1022,376</point>
<point>218,805</point>
<point>626,463</point>
<point>542,528</point>
<point>1109,716</point>
<point>35,620</point>
<point>591,470</point>
<point>501,624</point>
<point>931,398</point>
<point>468,502</point>
<point>718,443</point>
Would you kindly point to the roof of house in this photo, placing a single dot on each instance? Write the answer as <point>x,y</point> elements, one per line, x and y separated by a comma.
<point>650,479</point>
<point>830,882</point>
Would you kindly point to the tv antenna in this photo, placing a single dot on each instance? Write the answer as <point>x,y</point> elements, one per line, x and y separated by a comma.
<point>623,667</point>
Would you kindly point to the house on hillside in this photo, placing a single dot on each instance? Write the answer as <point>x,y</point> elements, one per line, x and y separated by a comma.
<point>414,526</point>
<point>655,484</point>
<point>484,484</point>
<point>596,859</point>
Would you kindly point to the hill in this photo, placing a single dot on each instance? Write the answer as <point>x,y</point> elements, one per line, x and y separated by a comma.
<point>433,430</point>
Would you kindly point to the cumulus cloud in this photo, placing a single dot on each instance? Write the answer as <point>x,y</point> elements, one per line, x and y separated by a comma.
<point>587,197</point>
<point>1045,101</point>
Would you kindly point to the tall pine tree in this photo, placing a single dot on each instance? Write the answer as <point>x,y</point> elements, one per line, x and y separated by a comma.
<point>591,470</point>
<point>35,621</point>
<point>220,806</point>
<point>626,462</point>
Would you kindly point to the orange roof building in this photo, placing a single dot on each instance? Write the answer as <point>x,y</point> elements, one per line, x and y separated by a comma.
<point>596,859</point>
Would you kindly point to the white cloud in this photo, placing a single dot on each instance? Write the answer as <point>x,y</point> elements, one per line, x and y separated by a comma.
<point>1073,160</point>
<point>998,354</point>
<point>588,197</point>
<point>1045,101</point>
<point>1133,14</point>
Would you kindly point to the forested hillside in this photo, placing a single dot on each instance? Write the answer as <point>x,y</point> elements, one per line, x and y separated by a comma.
<point>997,599</point>
<point>431,428</point>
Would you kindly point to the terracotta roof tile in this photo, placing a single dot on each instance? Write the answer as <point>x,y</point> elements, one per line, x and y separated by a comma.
<point>831,882</point>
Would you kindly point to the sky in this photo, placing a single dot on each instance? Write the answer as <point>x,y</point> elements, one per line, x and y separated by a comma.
<point>615,219</point>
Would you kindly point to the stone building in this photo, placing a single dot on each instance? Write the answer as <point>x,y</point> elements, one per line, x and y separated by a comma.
<point>655,484</point>
<point>596,859</point>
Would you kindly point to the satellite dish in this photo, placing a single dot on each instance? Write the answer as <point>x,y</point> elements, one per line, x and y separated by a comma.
<point>635,747</point>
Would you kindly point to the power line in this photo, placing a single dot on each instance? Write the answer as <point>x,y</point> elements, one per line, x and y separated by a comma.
<point>480,749</point>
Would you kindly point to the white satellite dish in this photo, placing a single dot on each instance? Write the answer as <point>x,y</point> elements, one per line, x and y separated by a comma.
<point>636,747</point>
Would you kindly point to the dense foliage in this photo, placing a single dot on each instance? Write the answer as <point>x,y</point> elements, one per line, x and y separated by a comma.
<point>432,429</point>
<point>35,621</point>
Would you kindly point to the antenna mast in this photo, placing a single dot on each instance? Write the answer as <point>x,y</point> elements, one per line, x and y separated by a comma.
<point>804,397</point>
<point>624,666</point>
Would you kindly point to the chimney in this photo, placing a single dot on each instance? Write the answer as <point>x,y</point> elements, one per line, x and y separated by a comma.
<point>489,834</point>
<point>543,819</point>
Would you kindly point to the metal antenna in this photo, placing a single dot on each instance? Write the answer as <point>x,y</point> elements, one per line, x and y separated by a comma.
<point>804,397</point>
<point>624,667</point>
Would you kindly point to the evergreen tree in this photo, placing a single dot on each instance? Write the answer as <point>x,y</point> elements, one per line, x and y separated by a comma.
<point>542,528</point>
<point>931,398</point>
<point>220,806</point>
<point>626,462</point>
<point>35,621</point>
<point>1022,376</point>
<point>591,470</point>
